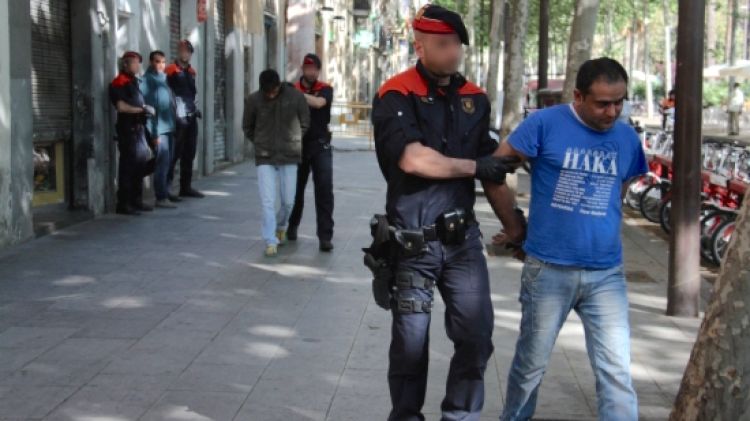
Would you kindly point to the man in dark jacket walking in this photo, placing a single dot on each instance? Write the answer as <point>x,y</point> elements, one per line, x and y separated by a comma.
<point>275,119</point>
<point>316,154</point>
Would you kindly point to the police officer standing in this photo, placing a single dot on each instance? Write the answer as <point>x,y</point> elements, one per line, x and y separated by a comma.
<point>432,140</point>
<point>181,79</point>
<point>316,154</point>
<point>134,151</point>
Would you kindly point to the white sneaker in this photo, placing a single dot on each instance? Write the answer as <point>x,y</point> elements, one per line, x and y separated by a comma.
<point>271,250</point>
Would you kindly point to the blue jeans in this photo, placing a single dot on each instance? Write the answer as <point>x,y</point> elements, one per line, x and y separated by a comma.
<point>164,152</point>
<point>276,181</point>
<point>548,294</point>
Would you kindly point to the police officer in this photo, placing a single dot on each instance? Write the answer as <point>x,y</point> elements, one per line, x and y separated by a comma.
<point>316,154</point>
<point>131,135</point>
<point>181,79</point>
<point>432,139</point>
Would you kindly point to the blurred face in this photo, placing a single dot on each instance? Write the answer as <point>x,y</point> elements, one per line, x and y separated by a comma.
<point>184,54</point>
<point>310,73</point>
<point>159,63</point>
<point>133,66</point>
<point>602,104</point>
<point>273,93</point>
<point>440,54</point>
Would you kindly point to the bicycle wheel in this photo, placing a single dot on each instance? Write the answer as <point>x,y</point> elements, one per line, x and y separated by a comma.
<point>651,201</point>
<point>634,192</point>
<point>664,215</point>
<point>721,239</point>
<point>709,225</point>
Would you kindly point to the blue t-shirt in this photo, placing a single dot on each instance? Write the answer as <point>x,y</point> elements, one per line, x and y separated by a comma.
<point>576,181</point>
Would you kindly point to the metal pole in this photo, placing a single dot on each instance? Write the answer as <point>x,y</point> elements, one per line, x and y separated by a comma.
<point>684,257</point>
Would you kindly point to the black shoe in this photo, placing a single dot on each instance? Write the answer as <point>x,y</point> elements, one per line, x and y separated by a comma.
<point>191,192</point>
<point>126,210</point>
<point>174,198</point>
<point>143,207</point>
<point>326,245</point>
<point>291,233</point>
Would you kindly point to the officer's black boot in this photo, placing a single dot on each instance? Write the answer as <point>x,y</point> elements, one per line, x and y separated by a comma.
<point>126,210</point>
<point>291,233</point>
<point>191,192</point>
<point>326,245</point>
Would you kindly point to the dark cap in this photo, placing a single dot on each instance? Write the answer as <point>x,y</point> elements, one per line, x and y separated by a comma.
<point>186,44</point>
<point>132,54</point>
<point>432,19</point>
<point>311,60</point>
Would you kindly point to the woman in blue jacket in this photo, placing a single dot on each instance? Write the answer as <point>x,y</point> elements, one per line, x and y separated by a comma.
<point>161,125</point>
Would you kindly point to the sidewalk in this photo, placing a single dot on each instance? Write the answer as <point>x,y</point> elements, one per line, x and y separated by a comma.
<point>176,315</point>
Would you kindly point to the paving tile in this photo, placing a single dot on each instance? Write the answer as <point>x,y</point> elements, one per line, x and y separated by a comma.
<point>192,322</point>
<point>198,406</point>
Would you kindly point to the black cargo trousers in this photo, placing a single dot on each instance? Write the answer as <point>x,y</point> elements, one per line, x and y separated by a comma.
<point>460,274</point>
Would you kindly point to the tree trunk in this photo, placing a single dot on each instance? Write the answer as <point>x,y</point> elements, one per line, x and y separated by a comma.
<point>667,46</point>
<point>716,384</point>
<point>514,61</point>
<point>646,64</point>
<point>633,40</point>
<point>497,34</point>
<point>543,62</point>
<point>580,42</point>
<point>710,33</point>
<point>728,42</point>
<point>470,62</point>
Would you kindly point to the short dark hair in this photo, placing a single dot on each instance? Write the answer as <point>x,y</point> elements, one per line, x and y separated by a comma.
<point>269,80</point>
<point>600,68</point>
<point>737,85</point>
<point>156,53</point>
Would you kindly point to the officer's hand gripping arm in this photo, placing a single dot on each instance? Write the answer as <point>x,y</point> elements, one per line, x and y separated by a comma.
<point>503,202</point>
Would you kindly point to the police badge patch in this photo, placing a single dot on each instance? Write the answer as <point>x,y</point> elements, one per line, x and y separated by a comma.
<point>468,105</point>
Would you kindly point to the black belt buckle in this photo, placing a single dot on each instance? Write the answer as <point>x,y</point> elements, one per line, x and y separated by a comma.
<point>451,226</point>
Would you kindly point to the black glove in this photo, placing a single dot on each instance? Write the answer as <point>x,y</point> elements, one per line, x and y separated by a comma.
<point>493,169</point>
<point>198,114</point>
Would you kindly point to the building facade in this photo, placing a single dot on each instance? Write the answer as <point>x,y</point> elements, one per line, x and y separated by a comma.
<point>57,57</point>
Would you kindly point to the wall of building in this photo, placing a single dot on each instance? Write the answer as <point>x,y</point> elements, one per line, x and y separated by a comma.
<point>300,34</point>
<point>6,146</point>
<point>16,169</point>
<point>101,30</point>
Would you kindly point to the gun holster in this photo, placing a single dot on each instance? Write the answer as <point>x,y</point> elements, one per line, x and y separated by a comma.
<point>378,258</point>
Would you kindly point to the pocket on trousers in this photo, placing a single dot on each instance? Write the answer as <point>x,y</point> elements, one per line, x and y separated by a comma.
<point>532,268</point>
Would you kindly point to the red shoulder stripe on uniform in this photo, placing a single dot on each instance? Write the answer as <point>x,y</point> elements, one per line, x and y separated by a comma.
<point>319,86</point>
<point>172,69</point>
<point>405,83</point>
<point>470,89</point>
<point>175,68</point>
<point>121,80</point>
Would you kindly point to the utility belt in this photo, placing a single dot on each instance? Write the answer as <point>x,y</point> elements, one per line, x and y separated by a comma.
<point>390,243</point>
<point>450,228</point>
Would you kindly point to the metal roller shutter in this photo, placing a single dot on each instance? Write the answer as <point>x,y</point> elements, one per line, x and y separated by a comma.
<point>174,27</point>
<point>51,71</point>
<point>219,84</point>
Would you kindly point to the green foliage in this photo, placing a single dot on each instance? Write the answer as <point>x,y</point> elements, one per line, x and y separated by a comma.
<point>715,92</point>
